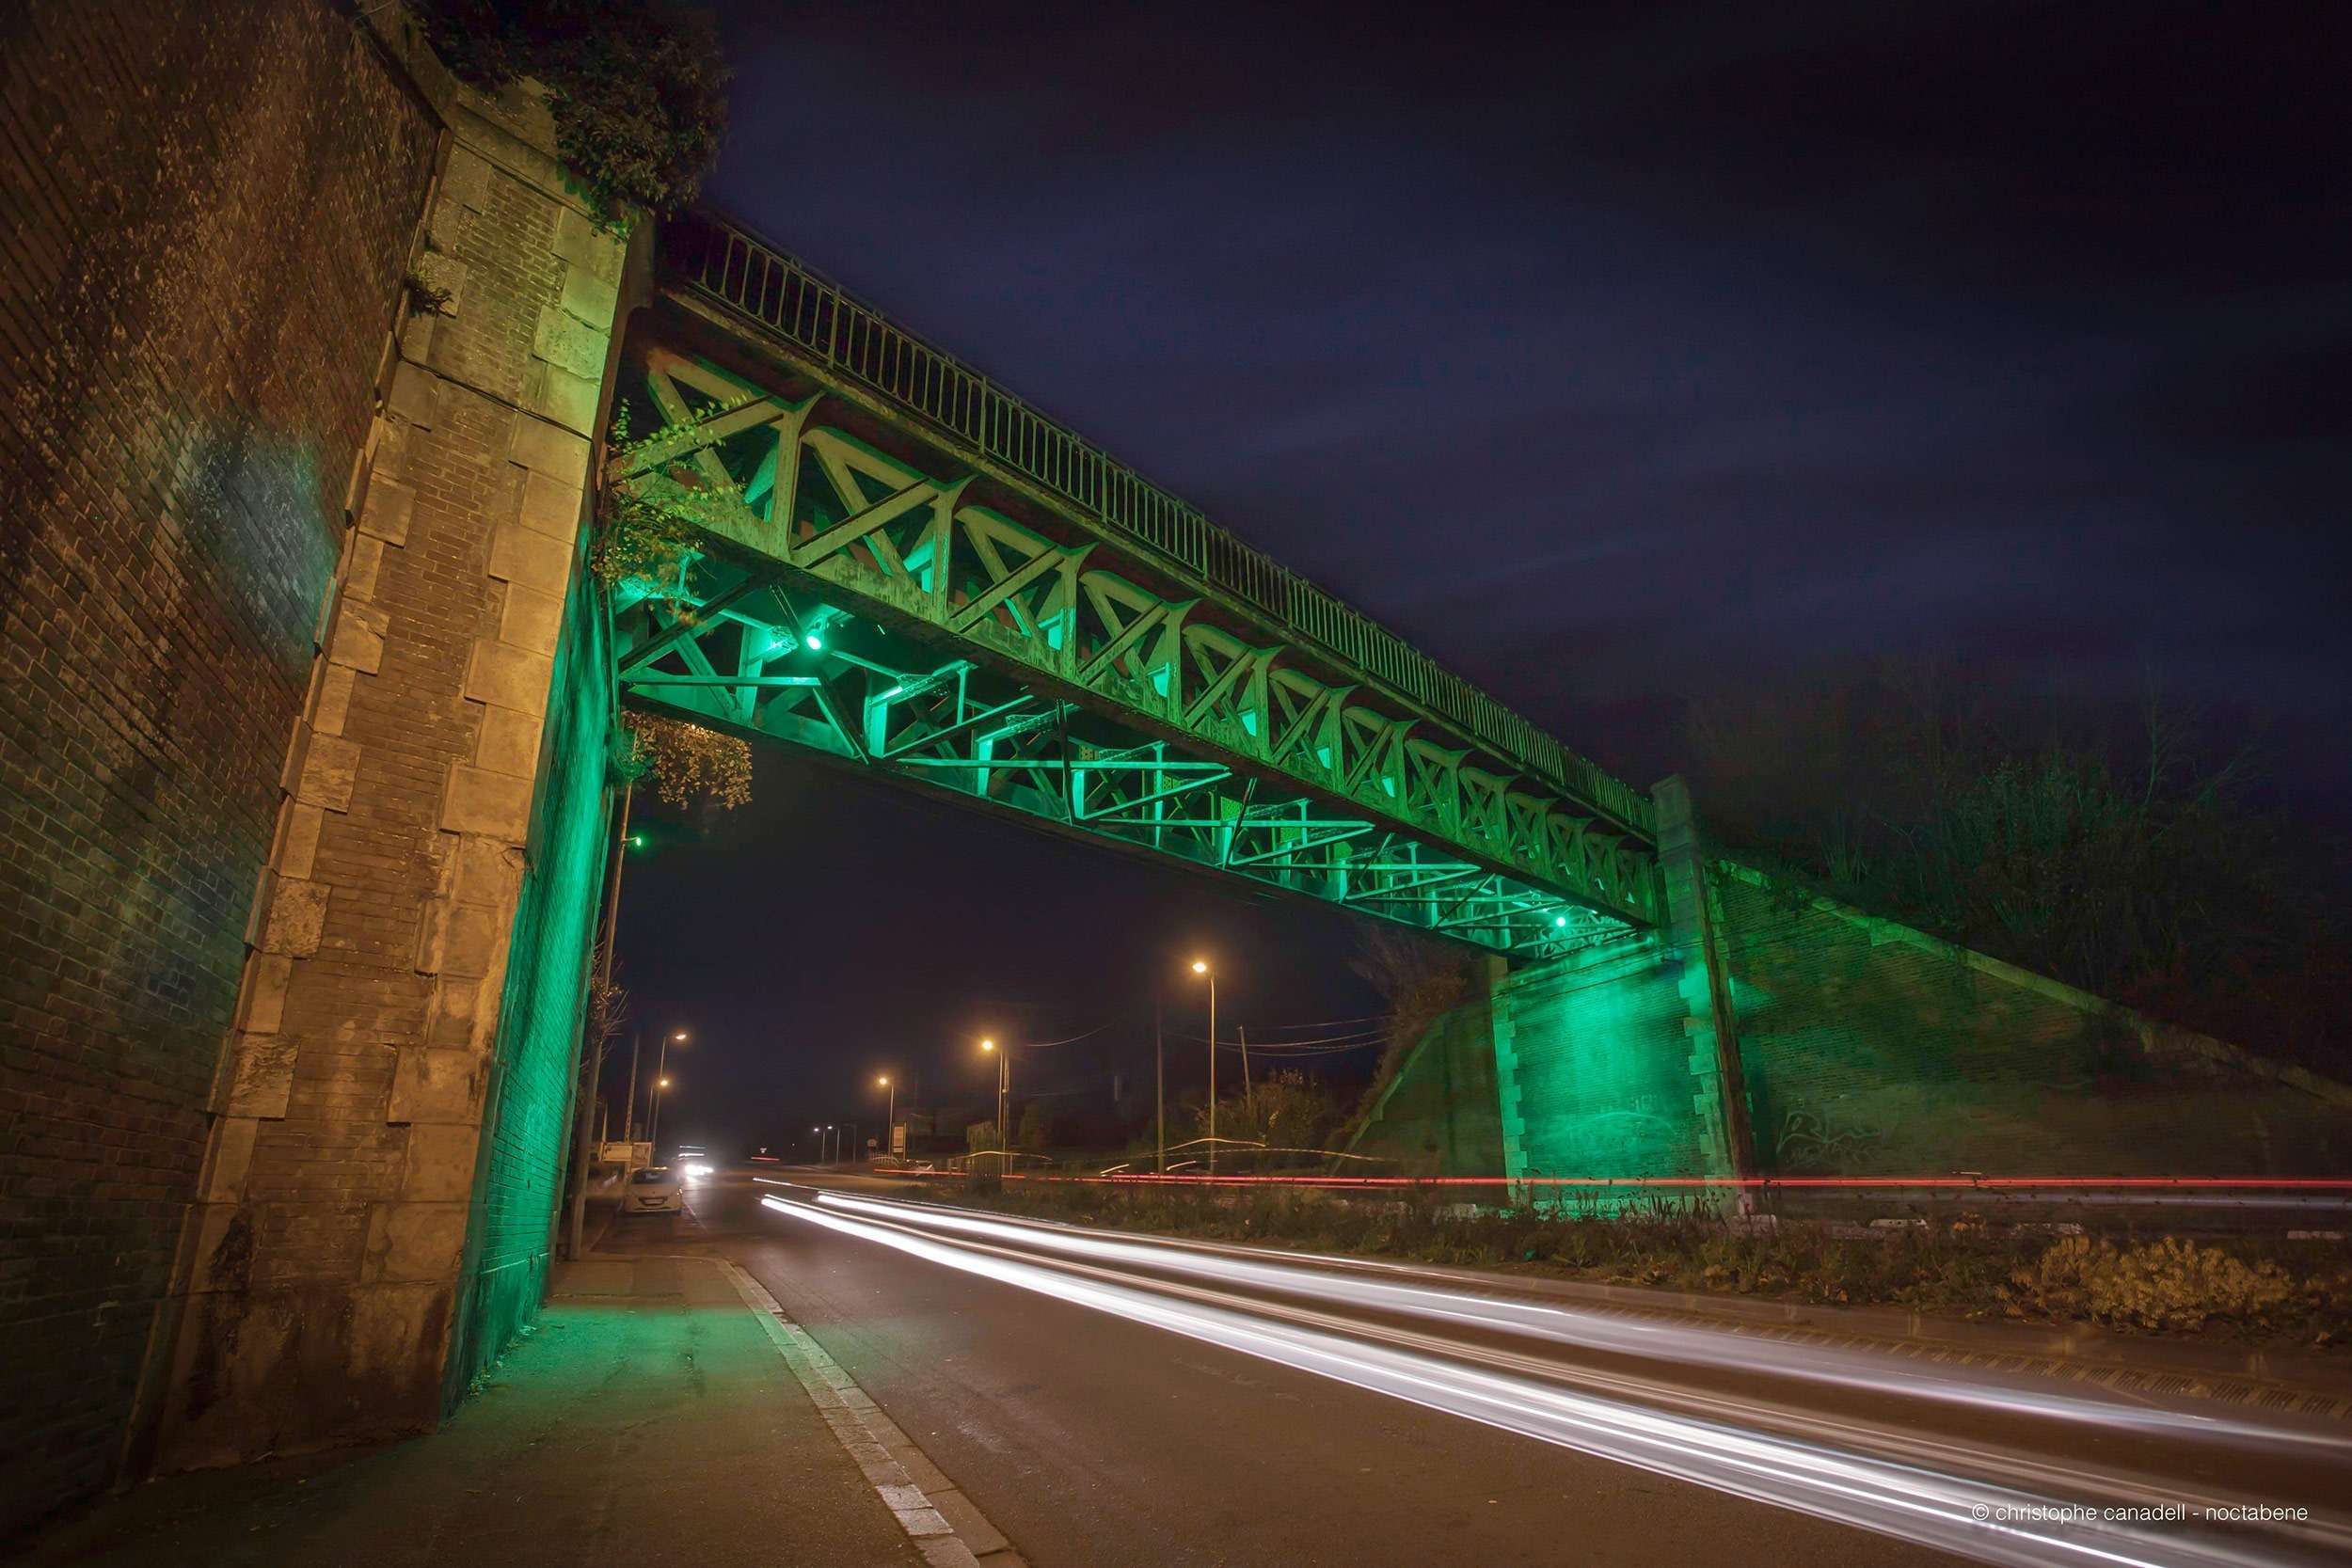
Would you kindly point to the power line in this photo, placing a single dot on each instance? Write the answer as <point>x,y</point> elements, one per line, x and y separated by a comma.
<point>1353,1035</point>
<point>1047,1045</point>
<point>1329,1022</point>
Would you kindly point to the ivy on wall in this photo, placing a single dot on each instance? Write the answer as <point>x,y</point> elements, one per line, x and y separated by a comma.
<point>638,87</point>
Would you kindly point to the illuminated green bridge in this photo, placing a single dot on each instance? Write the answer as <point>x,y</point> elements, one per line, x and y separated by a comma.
<point>904,567</point>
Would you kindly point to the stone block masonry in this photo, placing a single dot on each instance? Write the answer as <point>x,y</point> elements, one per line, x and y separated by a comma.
<point>205,210</point>
<point>377,1082</point>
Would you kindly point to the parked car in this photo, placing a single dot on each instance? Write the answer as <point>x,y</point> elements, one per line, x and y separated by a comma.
<point>654,1190</point>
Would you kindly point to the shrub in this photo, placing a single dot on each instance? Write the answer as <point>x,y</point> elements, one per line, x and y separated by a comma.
<point>637,88</point>
<point>657,500</point>
<point>1968,1267</point>
<point>2167,1285</point>
<point>687,760</point>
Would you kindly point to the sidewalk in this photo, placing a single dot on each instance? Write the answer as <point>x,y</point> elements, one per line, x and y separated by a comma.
<point>648,1420</point>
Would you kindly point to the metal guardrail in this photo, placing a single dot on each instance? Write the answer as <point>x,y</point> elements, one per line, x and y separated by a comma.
<point>754,278</point>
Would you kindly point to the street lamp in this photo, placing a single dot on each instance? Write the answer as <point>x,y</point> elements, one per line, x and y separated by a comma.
<point>660,1065</point>
<point>1201,966</point>
<point>652,1127</point>
<point>1004,1083</point>
<point>890,1122</point>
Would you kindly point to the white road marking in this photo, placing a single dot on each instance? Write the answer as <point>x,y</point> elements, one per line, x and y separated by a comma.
<point>863,1433</point>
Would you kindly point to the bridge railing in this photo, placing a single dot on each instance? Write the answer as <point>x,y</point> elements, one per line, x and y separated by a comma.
<point>754,278</point>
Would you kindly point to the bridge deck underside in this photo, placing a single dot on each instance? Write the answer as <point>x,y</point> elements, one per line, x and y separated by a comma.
<point>875,607</point>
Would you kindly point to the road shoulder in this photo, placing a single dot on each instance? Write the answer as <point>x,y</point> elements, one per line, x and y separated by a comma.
<point>646,1418</point>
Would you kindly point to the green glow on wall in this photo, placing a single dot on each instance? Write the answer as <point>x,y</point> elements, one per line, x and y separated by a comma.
<point>1602,1066</point>
<point>519,1167</point>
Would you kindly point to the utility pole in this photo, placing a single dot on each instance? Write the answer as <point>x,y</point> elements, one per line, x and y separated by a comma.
<point>591,1113</point>
<point>1249,1094</point>
<point>1159,1083</point>
<point>1201,966</point>
<point>1003,1082</point>
<point>660,1082</point>
<point>592,1098</point>
<point>628,1114</point>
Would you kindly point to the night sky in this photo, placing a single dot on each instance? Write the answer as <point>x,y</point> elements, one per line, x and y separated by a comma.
<point>1616,358</point>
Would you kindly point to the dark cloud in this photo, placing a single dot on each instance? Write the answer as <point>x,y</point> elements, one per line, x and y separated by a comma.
<point>1624,353</point>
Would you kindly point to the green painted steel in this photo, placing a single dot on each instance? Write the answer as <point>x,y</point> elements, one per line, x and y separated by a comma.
<point>909,571</point>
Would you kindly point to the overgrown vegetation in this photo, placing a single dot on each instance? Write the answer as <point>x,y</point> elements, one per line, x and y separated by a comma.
<point>637,88</point>
<point>2168,1284</point>
<point>2291,1289</point>
<point>685,760</point>
<point>1419,981</point>
<point>424,298</point>
<point>1283,1109</point>
<point>2121,862</point>
<point>654,500</point>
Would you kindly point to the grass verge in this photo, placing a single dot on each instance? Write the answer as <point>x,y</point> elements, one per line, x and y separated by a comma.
<point>2291,1292</point>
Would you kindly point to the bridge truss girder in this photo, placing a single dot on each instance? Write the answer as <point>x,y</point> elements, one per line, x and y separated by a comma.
<point>854,604</point>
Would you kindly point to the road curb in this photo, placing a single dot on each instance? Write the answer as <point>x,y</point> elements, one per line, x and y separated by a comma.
<point>937,1520</point>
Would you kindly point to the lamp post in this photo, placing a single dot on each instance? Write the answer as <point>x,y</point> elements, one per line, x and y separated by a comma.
<point>660,1067</point>
<point>1201,966</point>
<point>890,1123</point>
<point>653,1129</point>
<point>1003,1082</point>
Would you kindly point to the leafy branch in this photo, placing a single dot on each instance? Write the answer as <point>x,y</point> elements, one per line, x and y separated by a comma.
<point>655,499</point>
<point>686,760</point>
<point>638,91</point>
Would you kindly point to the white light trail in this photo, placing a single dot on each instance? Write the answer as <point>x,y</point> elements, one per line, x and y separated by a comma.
<point>1910,1501</point>
<point>1683,1344</point>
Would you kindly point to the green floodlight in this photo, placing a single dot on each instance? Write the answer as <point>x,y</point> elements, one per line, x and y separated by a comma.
<point>815,643</point>
<point>1559,920</point>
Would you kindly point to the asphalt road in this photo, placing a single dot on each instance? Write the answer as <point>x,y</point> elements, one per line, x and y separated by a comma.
<point>1016,1360</point>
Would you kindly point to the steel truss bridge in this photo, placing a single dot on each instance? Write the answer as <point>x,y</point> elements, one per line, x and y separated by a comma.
<point>902,568</point>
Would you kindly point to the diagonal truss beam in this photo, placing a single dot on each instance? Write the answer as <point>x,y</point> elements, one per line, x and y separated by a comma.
<point>972,650</point>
